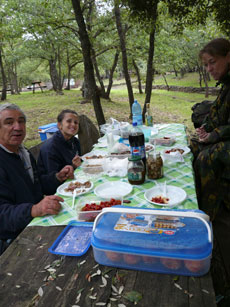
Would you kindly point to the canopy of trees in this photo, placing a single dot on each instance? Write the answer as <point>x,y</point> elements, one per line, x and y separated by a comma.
<point>96,39</point>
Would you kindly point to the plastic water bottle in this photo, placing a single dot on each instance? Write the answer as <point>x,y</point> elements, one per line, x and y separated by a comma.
<point>137,142</point>
<point>137,113</point>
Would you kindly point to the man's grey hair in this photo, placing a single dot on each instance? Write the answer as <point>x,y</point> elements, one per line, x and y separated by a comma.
<point>11,106</point>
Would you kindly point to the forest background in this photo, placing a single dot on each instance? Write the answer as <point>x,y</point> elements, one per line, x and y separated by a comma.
<point>102,43</point>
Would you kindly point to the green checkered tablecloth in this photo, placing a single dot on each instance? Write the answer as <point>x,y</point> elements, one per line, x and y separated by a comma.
<point>179,174</point>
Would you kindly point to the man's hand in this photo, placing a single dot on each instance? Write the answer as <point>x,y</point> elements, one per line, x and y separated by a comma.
<point>48,205</point>
<point>76,161</point>
<point>65,173</point>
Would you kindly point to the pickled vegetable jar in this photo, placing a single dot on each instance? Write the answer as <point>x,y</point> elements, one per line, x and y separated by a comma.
<point>154,165</point>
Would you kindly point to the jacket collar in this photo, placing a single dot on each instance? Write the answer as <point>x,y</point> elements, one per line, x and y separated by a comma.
<point>63,140</point>
<point>225,79</point>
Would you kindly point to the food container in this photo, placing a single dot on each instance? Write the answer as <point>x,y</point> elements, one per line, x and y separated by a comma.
<point>154,165</point>
<point>93,207</point>
<point>164,141</point>
<point>74,240</point>
<point>92,167</point>
<point>162,241</point>
<point>136,170</point>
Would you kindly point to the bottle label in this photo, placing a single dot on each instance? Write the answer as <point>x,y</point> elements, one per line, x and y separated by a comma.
<point>135,176</point>
<point>138,119</point>
<point>138,151</point>
<point>149,120</point>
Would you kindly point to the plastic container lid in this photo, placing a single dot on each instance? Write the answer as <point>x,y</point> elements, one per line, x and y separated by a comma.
<point>74,240</point>
<point>181,237</point>
<point>48,126</point>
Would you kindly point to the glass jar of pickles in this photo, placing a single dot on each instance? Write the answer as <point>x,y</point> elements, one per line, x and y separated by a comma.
<point>154,165</point>
<point>136,170</point>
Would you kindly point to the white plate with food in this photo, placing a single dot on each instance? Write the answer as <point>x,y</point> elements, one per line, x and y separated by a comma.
<point>94,157</point>
<point>171,197</point>
<point>113,189</point>
<point>183,150</point>
<point>81,187</point>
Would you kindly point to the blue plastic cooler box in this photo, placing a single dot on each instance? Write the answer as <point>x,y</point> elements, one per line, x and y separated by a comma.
<point>156,240</point>
<point>47,131</point>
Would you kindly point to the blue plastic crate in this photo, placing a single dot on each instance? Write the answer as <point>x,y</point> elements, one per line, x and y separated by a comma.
<point>47,130</point>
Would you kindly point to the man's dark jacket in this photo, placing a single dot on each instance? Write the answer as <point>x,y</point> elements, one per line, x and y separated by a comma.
<point>18,194</point>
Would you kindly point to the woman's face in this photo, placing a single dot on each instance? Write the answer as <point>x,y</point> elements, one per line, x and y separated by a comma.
<point>69,125</point>
<point>217,66</point>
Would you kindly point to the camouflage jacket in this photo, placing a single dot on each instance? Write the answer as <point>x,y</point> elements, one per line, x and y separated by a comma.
<point>218,120</point>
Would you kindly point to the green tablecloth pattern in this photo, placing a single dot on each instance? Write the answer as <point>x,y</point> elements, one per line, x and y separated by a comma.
<point>178,174</point>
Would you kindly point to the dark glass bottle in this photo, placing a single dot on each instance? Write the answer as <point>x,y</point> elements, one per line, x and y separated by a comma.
<point>136,170</point>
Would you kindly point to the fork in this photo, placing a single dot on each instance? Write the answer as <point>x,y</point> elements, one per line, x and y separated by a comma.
<point>165,189</point>
<point>74,195</point>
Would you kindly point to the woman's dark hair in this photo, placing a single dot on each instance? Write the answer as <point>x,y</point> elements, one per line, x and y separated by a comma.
<point>216,47</point>
<point>62,114</point>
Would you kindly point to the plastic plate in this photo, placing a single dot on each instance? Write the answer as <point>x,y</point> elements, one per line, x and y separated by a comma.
<point>175,195</point>
<point>61,188</point>
<point>113,189</point>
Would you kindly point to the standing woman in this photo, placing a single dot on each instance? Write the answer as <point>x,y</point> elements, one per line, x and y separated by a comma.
<point>62,149</point>
<point>212,148</point>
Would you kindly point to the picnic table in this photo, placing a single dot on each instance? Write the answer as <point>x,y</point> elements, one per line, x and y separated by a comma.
<point>30,275</point>
<point>40,85</point>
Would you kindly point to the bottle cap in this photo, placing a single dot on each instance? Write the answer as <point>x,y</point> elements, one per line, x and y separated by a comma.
<point>134,124</point>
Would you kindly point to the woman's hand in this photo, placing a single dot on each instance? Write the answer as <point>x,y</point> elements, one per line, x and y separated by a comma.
<point>202,135</point>
<point>66,173</point>
<point>76,161</point>
<point>204,138</point>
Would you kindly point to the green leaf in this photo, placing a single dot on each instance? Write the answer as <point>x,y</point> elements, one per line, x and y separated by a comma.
<point>133,296</point>
<point>175,278</point>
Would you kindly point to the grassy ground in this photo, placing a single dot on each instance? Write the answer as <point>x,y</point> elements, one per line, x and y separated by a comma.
<point>43,108</point>
<point>189,79</point>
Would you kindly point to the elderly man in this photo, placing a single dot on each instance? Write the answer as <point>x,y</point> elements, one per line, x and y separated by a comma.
<point>21,191</point>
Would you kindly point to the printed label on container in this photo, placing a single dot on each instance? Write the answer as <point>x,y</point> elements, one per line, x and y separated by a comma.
<point>135,176</point>
<point>148,224</point>
<point>149,120</point>
<point>138,151</point>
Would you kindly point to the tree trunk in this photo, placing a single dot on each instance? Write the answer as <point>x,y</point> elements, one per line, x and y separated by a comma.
<point>138,76</point>
<point>115,61</point>
<point>102,87</point>
<point>206,76</point>
<point>124,54</point>
<point>4,80</point>
<point>88,65</point>
<point>55,78</point>
<point>69,70</point>
<point>163,75</point>
<point>13,77</point>
<point>150,70</point>
<point>200,74</point>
